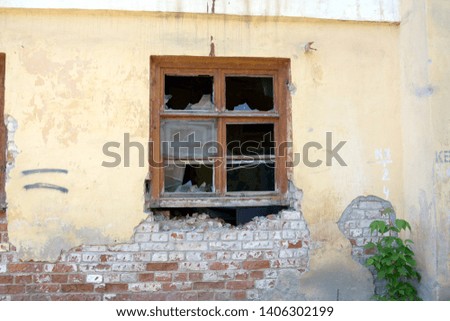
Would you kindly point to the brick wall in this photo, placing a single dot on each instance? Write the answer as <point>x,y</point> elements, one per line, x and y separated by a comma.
<point>354,224</point>
<point>195,258</point>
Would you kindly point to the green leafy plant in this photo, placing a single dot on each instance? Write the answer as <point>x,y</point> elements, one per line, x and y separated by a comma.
<point>394,260</point>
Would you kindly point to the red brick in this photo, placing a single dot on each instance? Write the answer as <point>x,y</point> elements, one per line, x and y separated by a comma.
<point>241,276</point>
<point>105,258</point>
<point>163,277</point>
<point>205,296</point>
<point>195,276</point>
<point>174,296</point>
<point>239,285</point>
<point>26,267</point>
<point>162,266</point>
<point>60,278</point>
<point>116,287</point>
<point>42,278</point>
<point>240,295</point>
<point>218,266</point>
<point>146,277</point>
<point>77,288</point>
<point>257,275</point>
<point>12,289</point>
<point>76,297</point>
<point>256,265</point>
<point>189,296</point>
<point>296,245</point>
<point>210,256</point>
<point>180,277</point>
<point>103,267</point>
<point>370,251</point>
<point>3,227</point>
<point>209,285</point>
<point>42,288</point>
<point>6,279</point>
<point>23,279</point>
<point>64,268</point>
<point>76,278</point>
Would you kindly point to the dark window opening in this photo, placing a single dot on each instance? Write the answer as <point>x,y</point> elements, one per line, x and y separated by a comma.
<point>233,216</point>
<point>181,177</point>
<point>249,93</point>
<point>194,93</point>
<point>250,139</point>
<point>250,176</point>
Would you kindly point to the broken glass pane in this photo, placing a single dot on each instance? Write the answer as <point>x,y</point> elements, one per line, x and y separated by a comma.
<point>249,93</point>
<point>245,176</point>
<point>193,93</point>
<point>195,139</point>
<point>188,178</point>
<point>250,139</point>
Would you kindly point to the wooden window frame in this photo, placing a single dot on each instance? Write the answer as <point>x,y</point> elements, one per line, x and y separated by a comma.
<point>219,67</point>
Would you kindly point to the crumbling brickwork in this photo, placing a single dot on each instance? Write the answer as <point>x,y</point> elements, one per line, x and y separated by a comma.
<point>194,258</point>
<point>354,224</point>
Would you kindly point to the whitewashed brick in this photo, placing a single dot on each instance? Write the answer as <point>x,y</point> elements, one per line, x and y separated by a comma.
<point>160,237</point>
<point>258,245</point>
<point>229,236</point>
<point>370,205</point>
<point>160,257</point>
<point>210,276</point>
<point>245,236</point>
<point>124,257</point>
<point>155,246</point>
<point>240,255</point>
<point>357,232</point>
<point>288,234</point>
<point>111,277</point>
<point>148,227</point>
<point>191,246</point>
<point>194,256</point>
<point>131,267</point>
<point>127,247</point>
<point>89,257</point>
<point>2,268</point>
<point>290,215</point>
<point>265,284</point>
<point>275,235</point>
<point>144,287</point>
<point>194,266</point>
<point>270,274</point>
<point>176,256</point>
<point>211,236</point>
<point>94,278</point>
<point>192,236</point>
<point>142,237</point>
<point>261,236</point>
<point>128,277</point>
<point>222,255</point>
<point>225,245</point>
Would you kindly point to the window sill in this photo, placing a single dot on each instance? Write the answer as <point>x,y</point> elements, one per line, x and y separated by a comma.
<point>189,200</point>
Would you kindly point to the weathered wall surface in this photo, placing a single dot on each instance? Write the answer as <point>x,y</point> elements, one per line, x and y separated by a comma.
<point>76,80</point>
<point>196,258</point>
<point>425,118</point>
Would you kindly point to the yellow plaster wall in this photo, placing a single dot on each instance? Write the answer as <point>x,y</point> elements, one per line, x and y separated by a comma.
<point>76,80</point>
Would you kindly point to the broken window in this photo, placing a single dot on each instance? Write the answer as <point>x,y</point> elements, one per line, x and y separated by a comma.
<point>217,124</point>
